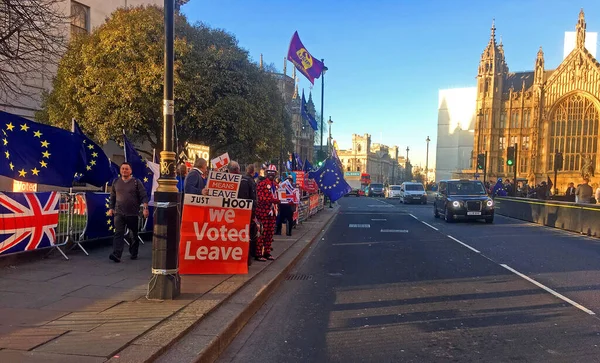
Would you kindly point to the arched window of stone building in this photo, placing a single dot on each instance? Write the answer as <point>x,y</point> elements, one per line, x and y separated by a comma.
<point>574,132</point>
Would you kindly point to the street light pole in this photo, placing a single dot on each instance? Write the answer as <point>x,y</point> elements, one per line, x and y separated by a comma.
<point>322,102</point>
<point>165,282</point>
<point>330,142</point>
<point>427,162</point>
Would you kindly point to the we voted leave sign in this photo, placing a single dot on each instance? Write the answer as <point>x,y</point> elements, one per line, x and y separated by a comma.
<point>215,235</point>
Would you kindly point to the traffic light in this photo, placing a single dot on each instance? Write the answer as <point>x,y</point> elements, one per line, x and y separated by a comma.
<point>510,156</point>
<point>558,161</point>
<point>480,161</point>
<point>320,163</point>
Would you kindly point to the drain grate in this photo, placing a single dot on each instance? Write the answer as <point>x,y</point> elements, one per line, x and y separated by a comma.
<point>298,277</point>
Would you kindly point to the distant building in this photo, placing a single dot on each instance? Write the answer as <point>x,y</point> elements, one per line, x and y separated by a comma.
<point>380,161</point>
<point>543,111</point>
<point>456,125</point>
<point>86,15</point>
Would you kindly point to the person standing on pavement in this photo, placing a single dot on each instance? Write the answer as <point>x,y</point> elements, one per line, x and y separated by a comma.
<point>195,182</point>
<point>584,192</point>
<point>286,215</point>
<point>248,191</point>
<point>266,212</point>
<point>570,193</point>
<point>181,173</point>
<point>125,198</point>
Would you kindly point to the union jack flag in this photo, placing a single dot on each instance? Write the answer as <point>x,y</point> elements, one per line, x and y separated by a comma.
<point>28,221</point>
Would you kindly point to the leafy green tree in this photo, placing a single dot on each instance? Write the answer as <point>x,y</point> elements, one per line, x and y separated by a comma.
<point>112,80</point>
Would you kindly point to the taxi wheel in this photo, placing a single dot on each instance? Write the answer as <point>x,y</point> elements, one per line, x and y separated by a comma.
<point>448,217</point>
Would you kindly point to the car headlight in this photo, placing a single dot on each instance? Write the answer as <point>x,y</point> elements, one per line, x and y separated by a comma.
<point>490,203</point>
<point>456,204</point>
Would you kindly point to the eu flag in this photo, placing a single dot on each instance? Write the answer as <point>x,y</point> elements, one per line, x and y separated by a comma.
<point>115,172</point>
<point>97,166</point>
<point>330,180</point>
<point>307,166</point>
<point>38,153</point>
<point>306,115</point>
<point>139,167</point>
<point>99,223</point>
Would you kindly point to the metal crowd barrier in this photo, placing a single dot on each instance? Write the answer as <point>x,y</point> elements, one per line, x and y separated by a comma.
<point>72,219</point>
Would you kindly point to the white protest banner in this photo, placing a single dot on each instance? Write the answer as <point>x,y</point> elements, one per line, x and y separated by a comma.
<point>221,161</point>
<point>221,184</point>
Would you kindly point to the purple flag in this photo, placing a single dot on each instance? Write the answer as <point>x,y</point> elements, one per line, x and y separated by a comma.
<point>304,62</point>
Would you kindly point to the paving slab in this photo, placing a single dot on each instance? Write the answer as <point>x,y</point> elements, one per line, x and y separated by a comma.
<point>26,338</point>
<point>81,304</point>
<point>7,355</point>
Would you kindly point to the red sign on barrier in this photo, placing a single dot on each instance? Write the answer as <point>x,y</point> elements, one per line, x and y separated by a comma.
<point>215,235</point>
<point>313,204</point>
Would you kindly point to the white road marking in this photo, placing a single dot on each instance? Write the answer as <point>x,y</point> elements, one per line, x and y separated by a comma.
<point>363,243</point>
<point>352,207</point>
<point>464,244</point>
<point>395,230</point>
<point>379,219</point>
<point>562,297</point>
<point>412,215</point>
<point>429,225</point>
<point>380,206</point>
<point>359,226</point>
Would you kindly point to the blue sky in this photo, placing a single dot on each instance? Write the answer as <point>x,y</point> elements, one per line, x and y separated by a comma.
<point>388,59</point>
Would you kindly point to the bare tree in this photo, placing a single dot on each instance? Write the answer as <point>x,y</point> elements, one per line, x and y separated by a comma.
<point>33,35</point>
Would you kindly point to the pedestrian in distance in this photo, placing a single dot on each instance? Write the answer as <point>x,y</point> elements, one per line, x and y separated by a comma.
<point>125,198</point>
<point>194,181</point>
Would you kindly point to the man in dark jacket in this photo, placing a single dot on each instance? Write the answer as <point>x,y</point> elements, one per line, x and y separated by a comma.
<point>194,182</point>
<point>125,198</point>
<point>248,191</point>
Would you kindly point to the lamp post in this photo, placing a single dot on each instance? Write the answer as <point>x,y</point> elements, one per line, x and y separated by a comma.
<point>322,102</point>
<point>165,282</point>
<point>427,162</point>
<point>330,141</point>
<point>407,172</point>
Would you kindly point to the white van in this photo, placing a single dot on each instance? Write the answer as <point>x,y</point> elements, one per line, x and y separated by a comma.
<point>413,192</point>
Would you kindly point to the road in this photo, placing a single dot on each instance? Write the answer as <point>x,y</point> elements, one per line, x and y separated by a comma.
<point>390,283</point>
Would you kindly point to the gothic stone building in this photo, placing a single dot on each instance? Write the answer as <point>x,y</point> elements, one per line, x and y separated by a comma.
<point>542,111</point>
<point>375,159</point>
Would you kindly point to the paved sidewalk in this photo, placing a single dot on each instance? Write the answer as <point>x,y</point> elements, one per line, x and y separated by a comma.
<point>89,309</point>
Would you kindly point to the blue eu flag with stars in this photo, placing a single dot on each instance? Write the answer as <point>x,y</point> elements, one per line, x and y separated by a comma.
<point>38,153</point>
<point>97,166</point>
<point>99,223</point>
<point>330,180</point>
<point>139,167</point>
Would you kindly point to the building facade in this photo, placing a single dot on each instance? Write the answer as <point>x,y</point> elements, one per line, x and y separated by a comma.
<point>380,161</point>
<point>456,127</point>
<point>542,111</point>
<point>85,16</point>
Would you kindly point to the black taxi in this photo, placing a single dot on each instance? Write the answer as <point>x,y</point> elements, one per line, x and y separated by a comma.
<point>463,199</point>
